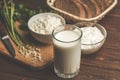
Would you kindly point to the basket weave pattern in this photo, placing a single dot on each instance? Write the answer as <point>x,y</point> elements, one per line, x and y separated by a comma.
<point>82,10</point>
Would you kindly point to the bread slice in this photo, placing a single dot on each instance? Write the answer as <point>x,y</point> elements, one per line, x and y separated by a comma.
<point>108,2</point>
<point>87,8</point>
<point>73,8</point>
<point>102,3</point>
<point>97,7</point>
<point>81,9</point>
<point>91,6</point>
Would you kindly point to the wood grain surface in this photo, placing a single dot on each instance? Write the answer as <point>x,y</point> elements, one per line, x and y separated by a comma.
<point>103,65</point>
<point>46,52</point>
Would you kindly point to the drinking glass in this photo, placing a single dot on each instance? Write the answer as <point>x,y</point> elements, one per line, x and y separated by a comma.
<point>67,50</point>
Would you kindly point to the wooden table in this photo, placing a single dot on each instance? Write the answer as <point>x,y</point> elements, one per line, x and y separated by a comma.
<point>104,65</point>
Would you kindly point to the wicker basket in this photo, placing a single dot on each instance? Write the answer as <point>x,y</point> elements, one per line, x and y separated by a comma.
<point>82,10</point>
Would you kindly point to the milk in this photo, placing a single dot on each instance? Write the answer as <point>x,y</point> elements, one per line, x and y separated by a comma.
<point>67,52</point>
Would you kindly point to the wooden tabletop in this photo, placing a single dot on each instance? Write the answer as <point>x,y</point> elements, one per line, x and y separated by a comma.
<point>104,65</point>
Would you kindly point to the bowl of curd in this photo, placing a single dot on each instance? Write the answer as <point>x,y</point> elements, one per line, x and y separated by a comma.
<point>41,26</point>
<point>94,36</point>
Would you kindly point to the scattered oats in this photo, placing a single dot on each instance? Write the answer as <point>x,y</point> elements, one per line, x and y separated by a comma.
<point>30,51</point>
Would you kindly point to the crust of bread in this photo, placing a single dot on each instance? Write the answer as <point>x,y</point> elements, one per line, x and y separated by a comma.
<point>87,9</point>
<point>81,9</point>
<point>97,7</point>
<point>69,8</point>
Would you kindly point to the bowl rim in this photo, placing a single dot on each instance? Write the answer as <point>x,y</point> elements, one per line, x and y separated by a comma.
<point>41,14</point>
<point>96,25</point>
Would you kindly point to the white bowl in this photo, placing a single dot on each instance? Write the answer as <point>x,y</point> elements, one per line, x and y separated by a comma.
<point>94,47</point>
<point>46,37</point>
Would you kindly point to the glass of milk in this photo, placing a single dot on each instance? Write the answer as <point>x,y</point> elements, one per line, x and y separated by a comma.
<point>67,50</point>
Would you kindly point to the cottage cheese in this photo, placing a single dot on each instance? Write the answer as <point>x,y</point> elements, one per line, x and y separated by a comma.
<point>91,36</point>
<point>45,24</point>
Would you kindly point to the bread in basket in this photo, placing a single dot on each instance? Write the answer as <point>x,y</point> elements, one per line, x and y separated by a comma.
<point>82,10</point>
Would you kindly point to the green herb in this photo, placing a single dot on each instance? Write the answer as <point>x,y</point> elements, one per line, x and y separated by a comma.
<point>22,14</point>
<point>7,14</point>
<point>10,12</point>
